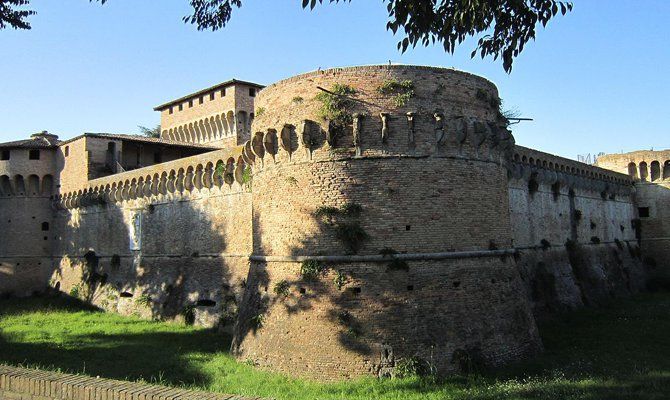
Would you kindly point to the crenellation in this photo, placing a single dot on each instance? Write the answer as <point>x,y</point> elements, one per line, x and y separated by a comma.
<point>428,232</point>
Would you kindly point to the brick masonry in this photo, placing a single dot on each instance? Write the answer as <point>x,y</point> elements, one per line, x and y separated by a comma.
<point>28,384</point>
<point>482,226</point>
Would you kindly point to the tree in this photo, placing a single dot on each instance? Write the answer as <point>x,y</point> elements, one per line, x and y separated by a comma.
<point>13,15</point>
<point>149,132</point>
<point>503,27</point>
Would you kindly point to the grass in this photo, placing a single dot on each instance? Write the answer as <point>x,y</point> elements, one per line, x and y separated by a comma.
<point>617,352</point>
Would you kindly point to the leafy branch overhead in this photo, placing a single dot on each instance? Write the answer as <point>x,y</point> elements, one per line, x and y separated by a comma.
<point>502,27</point>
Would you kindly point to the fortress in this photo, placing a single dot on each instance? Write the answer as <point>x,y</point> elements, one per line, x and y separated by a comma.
<point>335,222</point>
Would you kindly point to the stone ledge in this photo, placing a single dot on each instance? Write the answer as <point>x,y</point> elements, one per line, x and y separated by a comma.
<point>30,384</point>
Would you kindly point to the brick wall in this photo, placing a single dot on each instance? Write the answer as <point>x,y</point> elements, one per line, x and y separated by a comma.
<point>26,384</point>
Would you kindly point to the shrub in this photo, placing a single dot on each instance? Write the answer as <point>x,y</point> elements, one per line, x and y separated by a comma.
<point>411,366</point>
<point>188,313</point>
<point>257,321</point>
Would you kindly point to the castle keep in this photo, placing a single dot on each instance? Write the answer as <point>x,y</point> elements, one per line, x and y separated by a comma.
<point>334,222</point>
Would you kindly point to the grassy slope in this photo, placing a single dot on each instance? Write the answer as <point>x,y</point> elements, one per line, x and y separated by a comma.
<point>619,352</point>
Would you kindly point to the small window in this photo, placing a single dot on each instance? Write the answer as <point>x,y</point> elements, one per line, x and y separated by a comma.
<point>5,155</point>
<point>190,103</point>
<point>201,100</point>
<point>223,92</point>
<point>45,226</point>
<point>34,155</point>
<point>252,92</point>
<point>181,107</point>
<point>211,96</point>
<point>643,211</point>
<point>171,110</point>
<point>158,157</point>
<point>67,151</point>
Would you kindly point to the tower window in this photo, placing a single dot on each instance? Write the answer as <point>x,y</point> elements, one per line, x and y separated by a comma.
<point>190,103</point>
<point>211,96</point>
<point>5,155</point>
<point>643,211</point>
<point>223,92</point>
<point>45,226</point>
<point>201,99</point>
<point>34,155</point>
<point>67,151</point>
<point>181,107</point>
<point>171,110</point>
<point>252,92</point>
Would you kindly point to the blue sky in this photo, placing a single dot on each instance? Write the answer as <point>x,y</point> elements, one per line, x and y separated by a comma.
<point>595,81</point>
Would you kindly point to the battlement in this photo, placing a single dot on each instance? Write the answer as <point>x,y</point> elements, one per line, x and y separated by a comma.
<point>217,170</point>
<point>529,164</point>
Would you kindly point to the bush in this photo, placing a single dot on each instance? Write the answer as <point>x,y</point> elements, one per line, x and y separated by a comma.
<point>411,366</point>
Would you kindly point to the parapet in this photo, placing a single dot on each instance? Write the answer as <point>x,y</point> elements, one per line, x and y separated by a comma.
<point>384,110</point>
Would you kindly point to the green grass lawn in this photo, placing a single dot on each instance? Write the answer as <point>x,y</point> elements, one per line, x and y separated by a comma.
<point>617,352</point>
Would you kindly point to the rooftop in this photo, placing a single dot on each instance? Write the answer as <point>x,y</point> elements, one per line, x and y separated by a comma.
<point>136,138</point>
<point>205,91</point>
<point>42,140</point>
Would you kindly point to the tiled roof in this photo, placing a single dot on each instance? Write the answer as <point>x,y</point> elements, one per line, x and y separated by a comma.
<point>143,139</point>
<point>37,141</point>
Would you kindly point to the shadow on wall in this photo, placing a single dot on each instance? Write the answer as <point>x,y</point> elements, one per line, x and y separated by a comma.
<point>356,317</point>
<point>159,261</point>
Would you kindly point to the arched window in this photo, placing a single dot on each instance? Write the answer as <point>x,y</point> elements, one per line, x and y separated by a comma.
<point>45,226</point>
<point>666,170</point>
<point>644,172</point>
<point>632,170</point>
<point>655,168</point>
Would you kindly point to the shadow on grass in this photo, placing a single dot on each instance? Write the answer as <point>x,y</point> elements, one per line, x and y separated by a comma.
<point>620,351</point>
<point>130,350</point>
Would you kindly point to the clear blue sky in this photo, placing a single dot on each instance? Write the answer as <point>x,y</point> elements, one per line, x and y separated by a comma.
<point>595,80</point>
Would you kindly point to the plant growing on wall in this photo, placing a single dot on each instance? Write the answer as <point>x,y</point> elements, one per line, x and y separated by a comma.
<point>401,91</point>
<point>257,321</point>
<point>346,222</point>
<point>337,105</point>
<point>310,270</point>
<point>340,280</point>
<point>260,111</point>
<point>281,288</point>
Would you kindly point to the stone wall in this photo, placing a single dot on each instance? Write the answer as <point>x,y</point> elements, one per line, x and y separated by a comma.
<point>26,228</point>
<point>574,227</point>
<point>162,249</point>
<point>651,172</point>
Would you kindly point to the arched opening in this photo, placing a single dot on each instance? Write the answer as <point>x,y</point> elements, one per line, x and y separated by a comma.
<point>632,170</point>
<point>33,185</point>
<point>5,186</point>
<point>47,185</point>
<point>655,171</point>
<point>644,172</point>
<point>45,226</point>
<point>666,170</point>
<point>19,185</point>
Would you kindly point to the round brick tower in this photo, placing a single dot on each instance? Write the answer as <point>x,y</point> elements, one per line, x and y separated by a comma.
<point>381,226</point>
